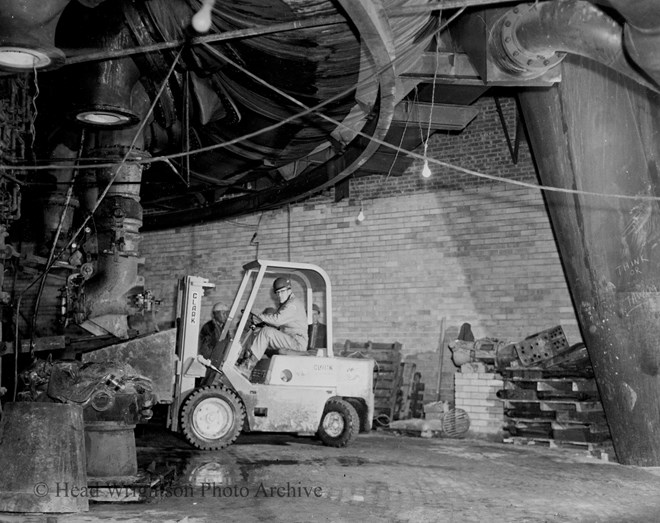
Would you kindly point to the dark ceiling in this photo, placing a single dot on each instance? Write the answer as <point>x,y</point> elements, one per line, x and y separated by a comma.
<point>226,122</point>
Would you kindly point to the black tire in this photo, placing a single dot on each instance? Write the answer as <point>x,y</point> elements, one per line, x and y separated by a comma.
<point>212,417</point>
<point>340,423</point>
<point>361,410</point>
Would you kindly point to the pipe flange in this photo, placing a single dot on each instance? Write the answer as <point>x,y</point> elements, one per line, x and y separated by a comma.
<point>18,57</point>
<point>102,400</point>
<point>524,62</point>
<point>99,116</point>
<point>87,270</point>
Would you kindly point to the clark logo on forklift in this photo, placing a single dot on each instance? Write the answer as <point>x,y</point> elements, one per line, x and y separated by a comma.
<point>193,307</point>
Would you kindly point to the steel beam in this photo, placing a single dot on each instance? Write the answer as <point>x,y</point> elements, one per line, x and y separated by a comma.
<point>440,116</point>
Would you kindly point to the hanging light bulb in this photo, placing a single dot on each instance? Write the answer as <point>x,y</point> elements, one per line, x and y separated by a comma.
<point>201,20</point>
<point>426,170</point>
<point>360,217</point>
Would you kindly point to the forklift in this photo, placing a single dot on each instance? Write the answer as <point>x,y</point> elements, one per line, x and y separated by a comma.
<point>312,393</point>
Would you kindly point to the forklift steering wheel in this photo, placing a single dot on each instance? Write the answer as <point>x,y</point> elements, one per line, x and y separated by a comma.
<point>254,321</point>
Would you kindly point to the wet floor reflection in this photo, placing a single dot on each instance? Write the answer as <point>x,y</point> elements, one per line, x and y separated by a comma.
<point>229,468</point>
<point>214,472</point>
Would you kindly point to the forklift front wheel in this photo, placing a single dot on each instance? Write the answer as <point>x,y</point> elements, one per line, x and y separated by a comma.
<point>212,418</point>
<point>339,424</point>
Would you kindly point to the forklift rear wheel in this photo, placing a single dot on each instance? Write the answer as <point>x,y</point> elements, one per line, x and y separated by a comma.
<point>212,418</point>
<point>339,424</point>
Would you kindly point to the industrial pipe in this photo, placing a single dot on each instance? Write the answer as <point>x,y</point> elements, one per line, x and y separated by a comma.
<point>27,34</point>
<point>118,220</point>
<point>101,91</point>
<point>58,209</point>
<point>596,132</point>
<point>532,38</point>
<point>642,33</point>
<point>108,99</point>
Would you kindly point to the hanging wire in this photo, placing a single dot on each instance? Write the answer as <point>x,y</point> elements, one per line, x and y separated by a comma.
<point>307,110</point>
<point>186,126</point>
<point>421,131</point>
<point>423,157</point>
<point>298,116</point>
<point>288,231</point>
<point>435,77</point>
<point>34,107</point>
<point>315,109</point>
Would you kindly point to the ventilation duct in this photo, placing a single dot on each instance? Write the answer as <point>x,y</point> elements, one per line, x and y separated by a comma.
<point>103,91</point>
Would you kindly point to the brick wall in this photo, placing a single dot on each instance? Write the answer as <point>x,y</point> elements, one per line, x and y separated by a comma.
<point>476,394</point>
<point>456,246</point>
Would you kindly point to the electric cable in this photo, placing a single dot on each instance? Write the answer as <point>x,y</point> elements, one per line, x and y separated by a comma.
<point>428,132</point>
<point>301,114</point>
<point>34,107</point>
<point>440,162</point>
<point>447,165</point>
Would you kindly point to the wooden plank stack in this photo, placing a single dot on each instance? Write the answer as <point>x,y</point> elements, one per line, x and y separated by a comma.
<point>554,408</point>
<point>389,373</point>
<point>403,404</point>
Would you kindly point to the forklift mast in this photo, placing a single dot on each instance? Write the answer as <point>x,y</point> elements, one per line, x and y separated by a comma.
<point>189,319</point>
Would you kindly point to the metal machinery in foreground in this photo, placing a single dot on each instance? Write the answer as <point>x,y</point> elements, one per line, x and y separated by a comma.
<point>308,393</point>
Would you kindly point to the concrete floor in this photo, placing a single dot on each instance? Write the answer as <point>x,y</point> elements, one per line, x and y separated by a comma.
<point>380,477</point>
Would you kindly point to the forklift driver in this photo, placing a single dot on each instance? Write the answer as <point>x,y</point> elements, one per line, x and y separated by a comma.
<point>284,330</point>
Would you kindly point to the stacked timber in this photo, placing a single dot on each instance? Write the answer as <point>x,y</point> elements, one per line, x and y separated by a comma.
<point>410,396</point>
<point>389,372</point>
<point>556,408</point>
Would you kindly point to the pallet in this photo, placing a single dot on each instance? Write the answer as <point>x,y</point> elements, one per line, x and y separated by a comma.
<point>549,389</point>
<point>417,398</point>
<point>541,374</point>
<point>402,408</point>
<point>388,374</point>
<point>553,444</point>
<point>539,404</point>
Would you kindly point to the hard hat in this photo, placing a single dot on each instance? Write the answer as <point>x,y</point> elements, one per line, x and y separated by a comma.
<point>281,283</point>
<point>220,306</point>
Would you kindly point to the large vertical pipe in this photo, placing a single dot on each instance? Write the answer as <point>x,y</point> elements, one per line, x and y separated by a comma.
<point>597,131</point>
<point>118,220</point>
<point>109,100</point>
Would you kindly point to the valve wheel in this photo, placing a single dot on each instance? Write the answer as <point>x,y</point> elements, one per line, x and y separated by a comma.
<point>212,418</point>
